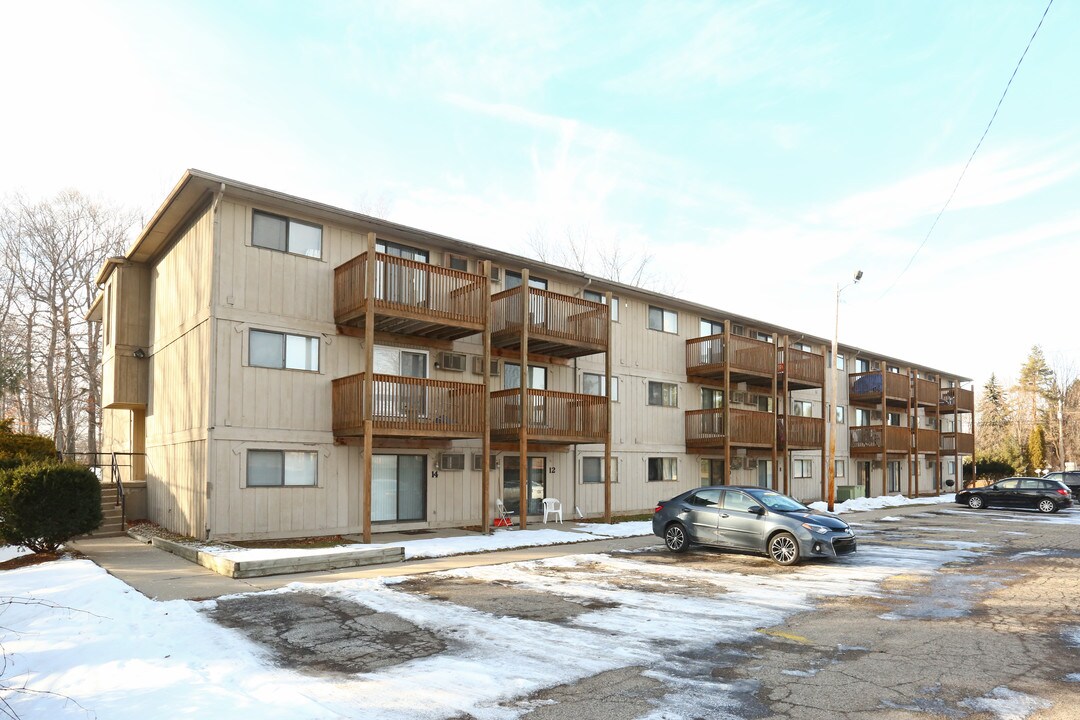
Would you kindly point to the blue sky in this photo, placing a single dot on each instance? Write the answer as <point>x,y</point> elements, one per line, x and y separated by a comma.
<point>760,152</point>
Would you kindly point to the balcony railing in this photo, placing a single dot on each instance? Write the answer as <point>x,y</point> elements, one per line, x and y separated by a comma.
<point>957,400</point>
<point>927,440</point>
<point>927,392</point>
<point>749,428</point>
<point>958,443</point>
<point>556,417</point>
<point>866,386</point>
<point>749,359</point>
<point>559,325</point>
<point>803,369</point>
<point>410,297</point>
<point>801,432</point>
<point>409,406</point>
<point>877,439</point>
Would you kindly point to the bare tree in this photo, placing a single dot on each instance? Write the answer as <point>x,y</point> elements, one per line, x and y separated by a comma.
<point>611,260</point>
<point>52,251</point>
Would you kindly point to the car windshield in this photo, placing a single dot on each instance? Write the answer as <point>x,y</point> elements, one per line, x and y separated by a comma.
<point>779,503</point>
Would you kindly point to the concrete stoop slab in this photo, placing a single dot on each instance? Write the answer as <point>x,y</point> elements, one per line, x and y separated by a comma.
<point>283,565</point>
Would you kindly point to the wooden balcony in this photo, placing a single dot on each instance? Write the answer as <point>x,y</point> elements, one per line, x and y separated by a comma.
<point>957,400</point>
<point>927,440</point>
<point>804,370</point>
<point>559,325</point>
<point>411,298</point>
<point>749,428</point>
<point>866,388</point>
<point>875,439</point>
<point>927,392</point>
<point>552,417</point>
<point>957,443</point>
<point>801,433</point>
<point>406,406</point>
<point>748,360</point>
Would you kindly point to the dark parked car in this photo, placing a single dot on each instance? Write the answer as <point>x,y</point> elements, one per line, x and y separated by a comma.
<point>750,518</point>
<point>1071,478</point>
<point>1043,494</point>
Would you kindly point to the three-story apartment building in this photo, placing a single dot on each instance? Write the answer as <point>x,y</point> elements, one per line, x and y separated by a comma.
<point>281,367</point>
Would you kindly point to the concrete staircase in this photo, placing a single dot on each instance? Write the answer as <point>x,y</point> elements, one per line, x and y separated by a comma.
<point>113,523</point>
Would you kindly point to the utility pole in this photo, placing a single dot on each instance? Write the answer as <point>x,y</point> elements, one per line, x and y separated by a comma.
<point>831,499</point>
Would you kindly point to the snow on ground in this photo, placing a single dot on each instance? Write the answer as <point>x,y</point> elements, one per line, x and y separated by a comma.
<point>878,503</point>
<point>10,552</point>
<point>1006,704</point>
<point>441,547</point>
<point>121,656</point>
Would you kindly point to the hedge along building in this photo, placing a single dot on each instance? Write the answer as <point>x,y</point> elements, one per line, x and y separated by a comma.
<point>279,384</point>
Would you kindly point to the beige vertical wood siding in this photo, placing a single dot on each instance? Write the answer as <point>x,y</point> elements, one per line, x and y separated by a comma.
<point>179,352</point>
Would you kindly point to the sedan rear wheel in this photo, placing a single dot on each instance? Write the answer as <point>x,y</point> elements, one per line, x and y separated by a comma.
<point>784,548</point>
<point>975,502</point>
<point>675,538</point>
<point>1046,505</point>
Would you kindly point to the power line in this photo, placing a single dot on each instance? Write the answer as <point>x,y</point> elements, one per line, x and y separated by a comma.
<point>972,156</point>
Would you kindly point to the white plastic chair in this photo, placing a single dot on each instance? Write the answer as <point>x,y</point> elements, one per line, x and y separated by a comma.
<point>552,507</point>
<point>504,514</point>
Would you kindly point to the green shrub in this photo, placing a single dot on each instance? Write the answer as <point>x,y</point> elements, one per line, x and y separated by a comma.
<point>31,447</point>
<point>44,504</point>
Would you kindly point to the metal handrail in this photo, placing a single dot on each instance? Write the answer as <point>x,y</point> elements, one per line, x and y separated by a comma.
<point>114,473</point>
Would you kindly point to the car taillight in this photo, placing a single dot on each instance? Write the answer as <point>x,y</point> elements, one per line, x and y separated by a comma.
<point>659,507</point>
<point>1063,492</point>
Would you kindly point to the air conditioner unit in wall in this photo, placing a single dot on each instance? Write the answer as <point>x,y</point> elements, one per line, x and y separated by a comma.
<point>736,463</point>
<point>496,274</point>
<point>478,366</point>
<point>751,463</point>
<point>739,397</point>
<point>452,361</point>
<point>452,461</point>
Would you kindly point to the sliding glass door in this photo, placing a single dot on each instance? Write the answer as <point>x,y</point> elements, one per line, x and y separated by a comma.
<point>398,488</point>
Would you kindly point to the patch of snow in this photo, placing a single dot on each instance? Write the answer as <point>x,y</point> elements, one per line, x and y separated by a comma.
<point>500,539</point>
<point>1073,677</point>
<point>799,673</point>
<point>1006,704</point>
<point>959,544</point>
<point>10,552</point>
<point>890,518</point>
<point>1072,636</point>
<point>878,503</point>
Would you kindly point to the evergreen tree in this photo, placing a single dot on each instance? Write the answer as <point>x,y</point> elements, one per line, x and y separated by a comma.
<point>1036,449</point>
<point>993,420</point>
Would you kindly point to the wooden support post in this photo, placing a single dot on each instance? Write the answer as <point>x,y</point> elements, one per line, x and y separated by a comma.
<point>369,383</point>
<point>726,354</point>
<point>485,474</point>
<point>523,433</point>
<point>776,410</point>
<point>608,413</point>
<point>913,425</point>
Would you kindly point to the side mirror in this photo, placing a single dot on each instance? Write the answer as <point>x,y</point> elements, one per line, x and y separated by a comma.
<point>755,510</point>
<point>949,483</point>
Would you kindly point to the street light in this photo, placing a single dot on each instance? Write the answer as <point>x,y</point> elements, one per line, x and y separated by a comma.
<point>831,499</point>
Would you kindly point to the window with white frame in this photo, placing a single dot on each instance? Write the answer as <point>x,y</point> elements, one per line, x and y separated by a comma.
<point>594,296</point>
<point>802,408</point>
<point>802,468</point>
<point>592,470</point>
<point>663,468</point>
<point>841,468</point>
<point>764,403</point>
<point>276,232</point>
<point>863,417</point>
<point>802,346</point>
<point>663,320</point>
<point>841,414</point>
<point>282,468</point>
<point>593,384</point>
<point>663,394</point>
<point>406,252</point>
<point>840,362</point>
<point>282,350</point>
<point>894,419</point>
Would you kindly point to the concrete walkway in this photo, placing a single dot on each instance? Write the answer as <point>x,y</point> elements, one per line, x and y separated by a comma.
<point>163,576</point>
<point>160,575</point>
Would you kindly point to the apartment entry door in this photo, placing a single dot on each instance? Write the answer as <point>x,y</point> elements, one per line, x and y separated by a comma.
<point>862,475</point>
<point>712,472</point>
<point>536,487</point>
<point>398,488</point>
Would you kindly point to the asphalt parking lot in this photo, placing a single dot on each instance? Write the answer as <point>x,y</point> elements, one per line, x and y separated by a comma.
<point>944,612</point>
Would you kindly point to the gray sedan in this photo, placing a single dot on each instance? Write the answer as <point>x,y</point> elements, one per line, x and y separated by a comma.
<point>751,518</point>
